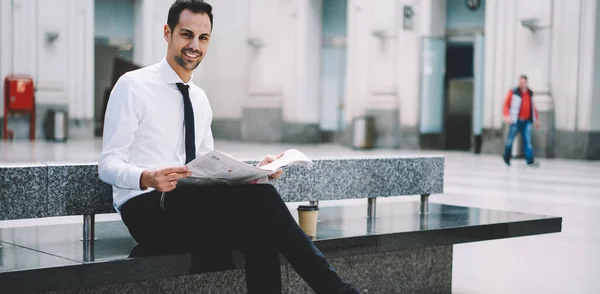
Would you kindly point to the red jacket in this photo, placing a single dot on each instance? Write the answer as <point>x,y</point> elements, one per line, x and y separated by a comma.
<point>519,105</point>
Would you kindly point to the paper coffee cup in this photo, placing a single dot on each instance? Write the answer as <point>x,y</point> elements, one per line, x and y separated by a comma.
<point>308,216</point>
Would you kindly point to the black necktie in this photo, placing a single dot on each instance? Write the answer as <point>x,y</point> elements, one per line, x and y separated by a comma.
<point>188,118</point>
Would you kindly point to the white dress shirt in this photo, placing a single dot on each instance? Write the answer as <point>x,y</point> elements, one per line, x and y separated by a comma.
<point>144,128</point>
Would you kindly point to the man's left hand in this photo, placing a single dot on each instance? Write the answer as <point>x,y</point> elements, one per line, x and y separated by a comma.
<point>268,159</point>
<point>538,124</point>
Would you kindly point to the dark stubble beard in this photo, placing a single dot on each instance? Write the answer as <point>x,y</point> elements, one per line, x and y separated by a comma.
<point>181,61</point>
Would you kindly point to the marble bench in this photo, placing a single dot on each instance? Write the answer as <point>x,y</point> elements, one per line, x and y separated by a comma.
<point>65,189</point>
<point>404,246</point>
<point>400,251</point>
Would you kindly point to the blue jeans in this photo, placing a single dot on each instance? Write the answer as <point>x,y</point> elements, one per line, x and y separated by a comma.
<point>524,127</point>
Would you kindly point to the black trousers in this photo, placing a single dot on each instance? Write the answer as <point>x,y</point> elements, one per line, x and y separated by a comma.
<point>251,218</point>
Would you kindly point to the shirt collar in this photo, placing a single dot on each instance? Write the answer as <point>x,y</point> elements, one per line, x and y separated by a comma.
<point>169,75</point>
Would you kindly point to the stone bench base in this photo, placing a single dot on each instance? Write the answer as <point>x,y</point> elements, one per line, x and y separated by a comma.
<point>400,250</point>
<point>427,270</point>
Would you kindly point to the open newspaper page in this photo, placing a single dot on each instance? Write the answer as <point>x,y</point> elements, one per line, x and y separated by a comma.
<point>289,157</point>
<point>215,167</point>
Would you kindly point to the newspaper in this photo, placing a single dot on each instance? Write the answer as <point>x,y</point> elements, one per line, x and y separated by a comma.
<point>217,167</point>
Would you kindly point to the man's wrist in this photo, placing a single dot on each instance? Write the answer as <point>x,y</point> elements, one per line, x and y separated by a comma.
<point>144,180</point>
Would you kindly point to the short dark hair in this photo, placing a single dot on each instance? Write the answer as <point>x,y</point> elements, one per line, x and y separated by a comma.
<point>523,77</point>
<point>196,6</point>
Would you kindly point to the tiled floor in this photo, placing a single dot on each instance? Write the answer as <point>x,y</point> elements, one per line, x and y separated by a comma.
<point>556,263</point>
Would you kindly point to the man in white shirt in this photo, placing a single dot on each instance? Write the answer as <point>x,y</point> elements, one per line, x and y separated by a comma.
<point>156,121</point>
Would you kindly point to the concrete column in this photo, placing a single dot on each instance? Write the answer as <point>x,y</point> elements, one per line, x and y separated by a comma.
<point>358,57</point>
<point>382,91</point>
<point>301,45</point>
<point>408,50</point>
<point>224,72</point>
<point>142,22</point>
<point>533,58</point>
<point>261,72</point>
<point>553,43</point>
<point>519,40</point>
<point>24,37</point>
<point>79,58</point>
<point>150,16</point>
<point>383,73</point>
<point>587,124</point>
<point>490,91</point>
<point>501,23</point>
<point>595,108</point>
<point>62,67</point>
<point>575,68</point>
<point>149,45</point>
<point>6,45</point>
<point>262,113</point>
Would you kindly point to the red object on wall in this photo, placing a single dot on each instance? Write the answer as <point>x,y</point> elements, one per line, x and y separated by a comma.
<point>19,98</point>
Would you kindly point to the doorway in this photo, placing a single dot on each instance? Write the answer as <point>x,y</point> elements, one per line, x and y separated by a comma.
<point>334,23</point>
<point>459,90</point>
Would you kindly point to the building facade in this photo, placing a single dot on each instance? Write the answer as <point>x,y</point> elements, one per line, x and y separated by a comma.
<point>433,73</point>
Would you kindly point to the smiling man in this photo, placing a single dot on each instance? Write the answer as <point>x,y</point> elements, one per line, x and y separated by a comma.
<point>157,120</point>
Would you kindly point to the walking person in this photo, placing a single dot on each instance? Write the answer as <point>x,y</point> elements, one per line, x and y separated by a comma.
<point>519,114</point>
<point>157,120</point>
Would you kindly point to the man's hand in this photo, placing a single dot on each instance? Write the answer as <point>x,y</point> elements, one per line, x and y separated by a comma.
<point>163,180</point>
<point>538,124</point>
<point>268,159</point>
<point>508,120</point>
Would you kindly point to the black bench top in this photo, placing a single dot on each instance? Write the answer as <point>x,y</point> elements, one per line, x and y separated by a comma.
<point>52,257</point>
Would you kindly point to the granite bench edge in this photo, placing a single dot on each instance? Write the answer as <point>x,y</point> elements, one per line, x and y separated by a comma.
<point>77,190</point>
<point>141,268</point>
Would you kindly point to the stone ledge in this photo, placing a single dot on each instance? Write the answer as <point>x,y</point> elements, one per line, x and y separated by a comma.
<point>75,189</point>
<point>399,234</point>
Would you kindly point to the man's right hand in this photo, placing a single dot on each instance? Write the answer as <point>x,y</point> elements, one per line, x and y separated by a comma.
<point>163,180</point>
<point>508,120</point>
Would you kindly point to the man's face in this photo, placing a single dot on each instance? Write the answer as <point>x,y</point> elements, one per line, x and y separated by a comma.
<point>523,83</point>
<point>188,42</point>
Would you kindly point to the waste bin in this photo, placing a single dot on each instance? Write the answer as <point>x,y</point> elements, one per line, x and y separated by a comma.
<point>363,132</point>
<point>57,125</point>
